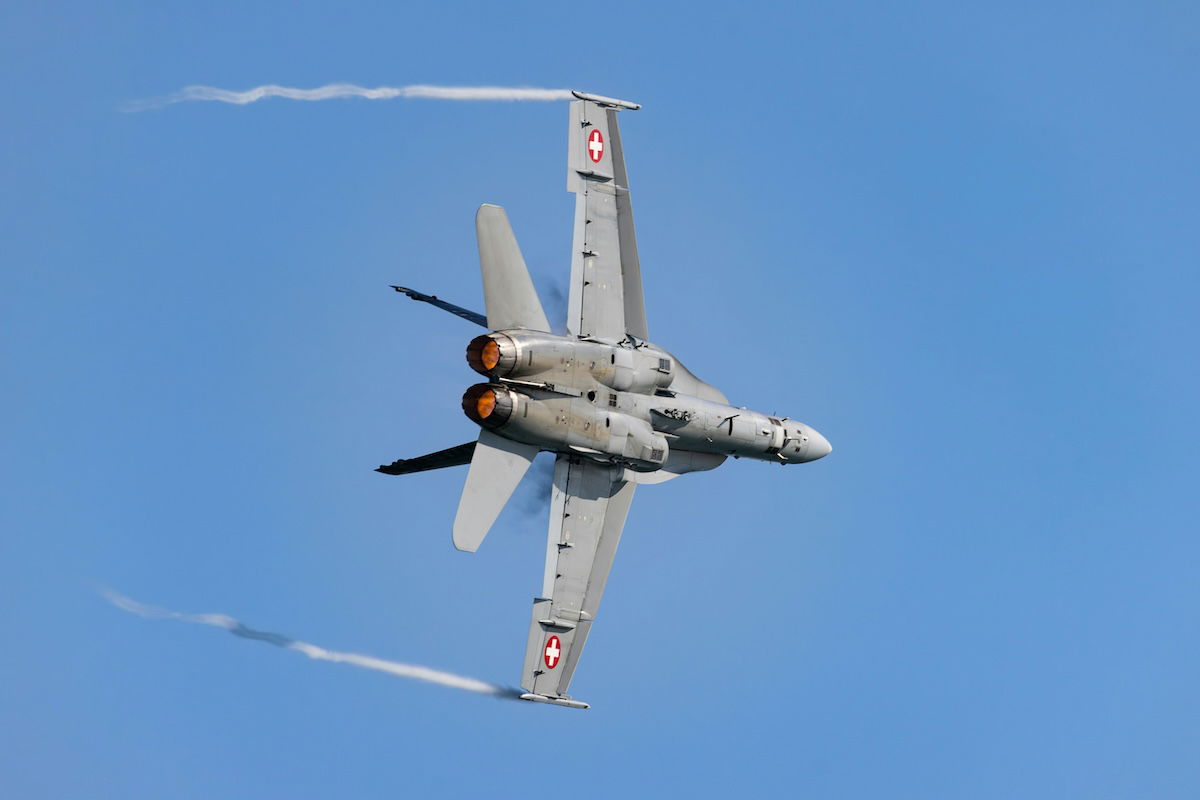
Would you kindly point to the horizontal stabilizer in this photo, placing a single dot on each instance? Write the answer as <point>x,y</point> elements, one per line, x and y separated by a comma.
<point>496,468</point>
<point>433,300</point>
<point>450,457</point>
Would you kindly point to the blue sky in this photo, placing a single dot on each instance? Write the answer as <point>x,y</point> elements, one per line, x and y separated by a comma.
<point>961,242</point>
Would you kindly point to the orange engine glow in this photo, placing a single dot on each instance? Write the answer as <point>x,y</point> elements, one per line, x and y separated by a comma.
<point>492,354</point>
<point>488,405</point>
<point>486,402</point>
<point>490,357</point>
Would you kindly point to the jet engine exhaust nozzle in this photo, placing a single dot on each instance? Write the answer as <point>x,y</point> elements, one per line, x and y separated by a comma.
<point>488,404</point>
<point>492,354</point>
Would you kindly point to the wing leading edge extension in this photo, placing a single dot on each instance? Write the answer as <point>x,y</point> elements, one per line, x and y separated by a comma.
<point>588,506</point>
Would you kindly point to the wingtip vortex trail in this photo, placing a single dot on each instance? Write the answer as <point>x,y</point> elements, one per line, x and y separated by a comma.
<point>315,652</point>
<point>334,91</point>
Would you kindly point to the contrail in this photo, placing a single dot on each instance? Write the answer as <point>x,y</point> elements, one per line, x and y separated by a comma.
<point>337,90</point>
<point>238,628</point>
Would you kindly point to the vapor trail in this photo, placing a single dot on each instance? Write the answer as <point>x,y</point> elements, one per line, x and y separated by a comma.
<point>336,90</point>
<point>238,628</point>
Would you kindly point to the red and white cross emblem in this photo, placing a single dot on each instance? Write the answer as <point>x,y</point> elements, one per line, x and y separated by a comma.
<point>553,652</point>
<point>595,145</point>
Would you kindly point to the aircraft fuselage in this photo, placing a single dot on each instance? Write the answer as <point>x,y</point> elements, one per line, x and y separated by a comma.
<point>631,403</point>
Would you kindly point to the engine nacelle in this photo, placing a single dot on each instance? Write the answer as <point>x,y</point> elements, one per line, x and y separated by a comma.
<point>563,423</point>
<point>544,357</point>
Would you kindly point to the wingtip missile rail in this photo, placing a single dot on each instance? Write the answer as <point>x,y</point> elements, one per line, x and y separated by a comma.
<point>556,701</point>
<point>607,101</point>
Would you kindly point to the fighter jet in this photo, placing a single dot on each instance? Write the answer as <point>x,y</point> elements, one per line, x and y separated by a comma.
<point>617,410</point>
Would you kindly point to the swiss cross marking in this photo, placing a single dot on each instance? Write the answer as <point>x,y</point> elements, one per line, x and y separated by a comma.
<point>553,652</point>
<point>595,145</point>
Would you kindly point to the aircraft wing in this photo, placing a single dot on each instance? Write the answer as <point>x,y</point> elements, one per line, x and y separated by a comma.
<point>606,277</point>
<point>588,506</point>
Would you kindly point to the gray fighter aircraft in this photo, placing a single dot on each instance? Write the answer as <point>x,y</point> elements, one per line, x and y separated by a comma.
<point>617,410</point>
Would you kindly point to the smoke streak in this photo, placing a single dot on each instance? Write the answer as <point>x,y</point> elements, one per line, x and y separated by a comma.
<point>340,90</point>
<point>552,289</point>
<point>532,496</point>
<point>237,628</point>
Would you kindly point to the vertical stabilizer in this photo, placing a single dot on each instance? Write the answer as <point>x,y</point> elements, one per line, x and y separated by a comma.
<point>497,466</point>
<point>508,292</point>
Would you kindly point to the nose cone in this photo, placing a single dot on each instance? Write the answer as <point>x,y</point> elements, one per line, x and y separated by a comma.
<point>804,444</point>
<point>818,446</point>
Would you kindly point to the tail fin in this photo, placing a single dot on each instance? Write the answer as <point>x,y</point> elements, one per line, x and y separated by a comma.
<point>508,292</point>
<point>496,468</point>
